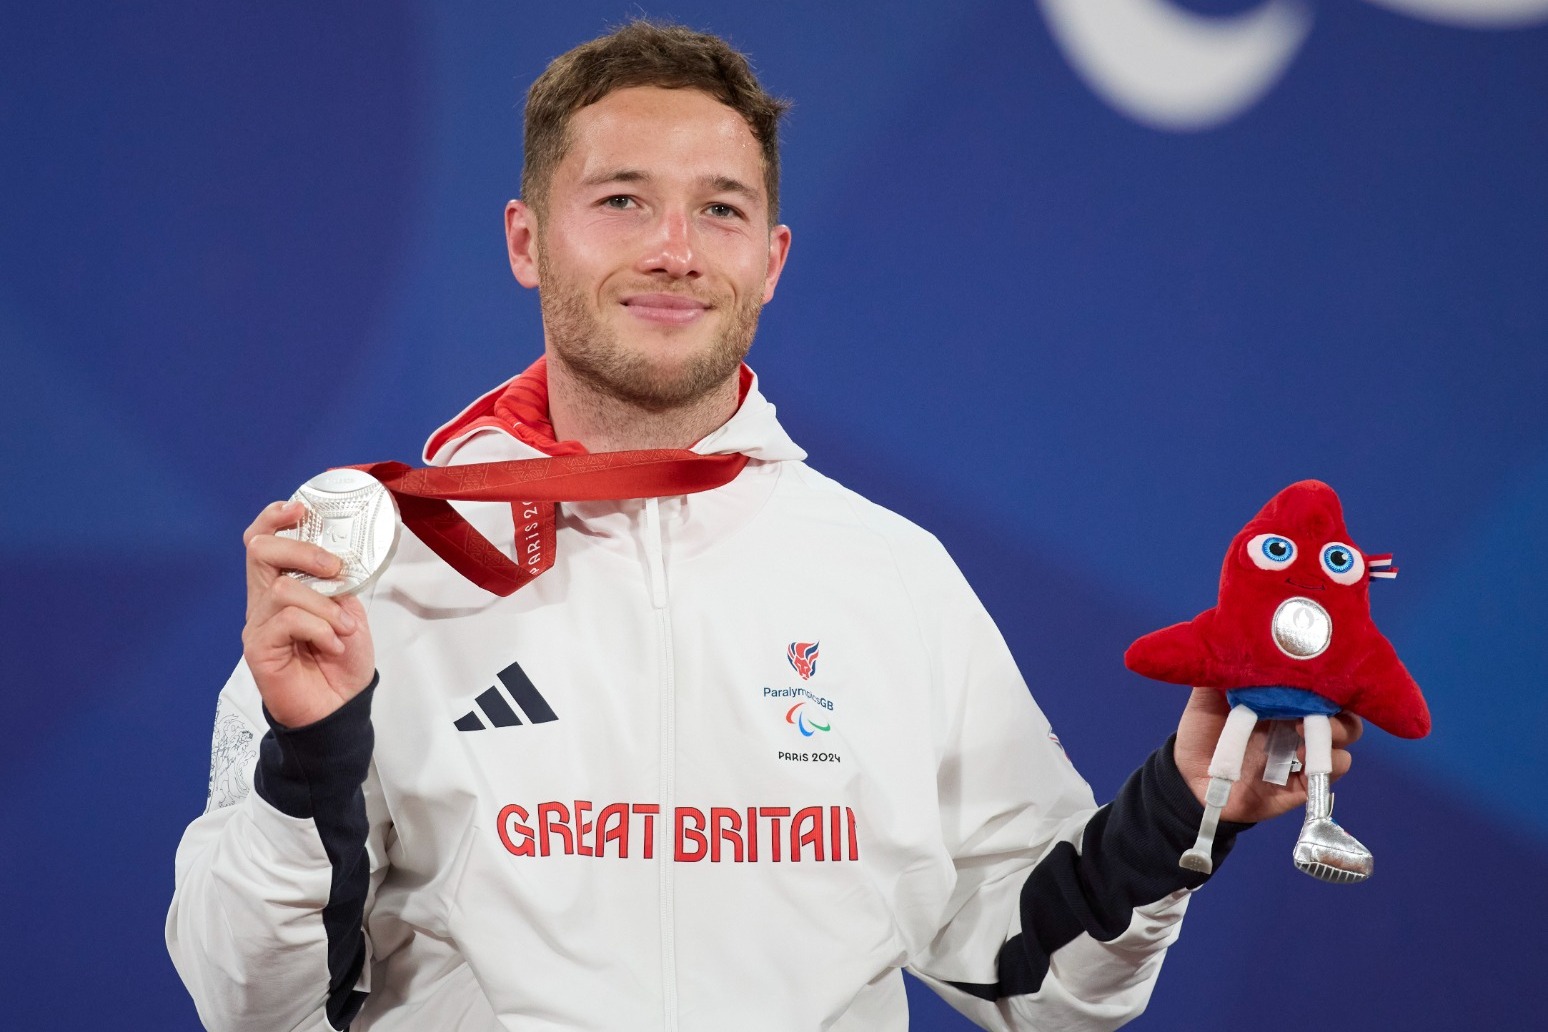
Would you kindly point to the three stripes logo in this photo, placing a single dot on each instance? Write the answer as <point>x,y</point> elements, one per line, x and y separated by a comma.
<point>496,708</point>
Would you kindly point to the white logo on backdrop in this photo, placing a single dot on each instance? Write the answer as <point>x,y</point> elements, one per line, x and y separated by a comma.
<point>1472,14</point>
<point>1172,68</point>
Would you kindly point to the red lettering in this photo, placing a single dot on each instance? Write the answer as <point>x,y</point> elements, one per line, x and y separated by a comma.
<point>685,833</point>
<point>648,811</point>
<point>613,826</point>
<point>811,818</point>
<point>509,821</point>
<point>718,833</point>
<point>582,827</point>
<point>774,813</point>
<point>725,825</point>
<point>554,818</point>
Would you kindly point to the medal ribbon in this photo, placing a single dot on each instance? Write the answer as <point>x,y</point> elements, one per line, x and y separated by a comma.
<point>533,486</point>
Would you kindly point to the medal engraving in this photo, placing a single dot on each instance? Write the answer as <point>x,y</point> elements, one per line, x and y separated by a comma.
<point>352,515</point>
<point>1302,628</point>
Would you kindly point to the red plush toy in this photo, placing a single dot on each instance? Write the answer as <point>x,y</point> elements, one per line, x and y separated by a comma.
<point>1291,639</point>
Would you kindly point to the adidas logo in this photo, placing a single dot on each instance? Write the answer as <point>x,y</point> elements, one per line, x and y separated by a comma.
<point>497,710</point>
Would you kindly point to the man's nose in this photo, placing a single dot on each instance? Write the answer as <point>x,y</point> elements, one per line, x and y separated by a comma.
<point>672,248</point>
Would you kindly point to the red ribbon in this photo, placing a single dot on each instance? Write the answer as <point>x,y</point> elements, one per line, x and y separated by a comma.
<point>533,486</point>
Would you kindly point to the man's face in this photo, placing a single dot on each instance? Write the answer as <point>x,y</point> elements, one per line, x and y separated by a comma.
<point>654,255</point>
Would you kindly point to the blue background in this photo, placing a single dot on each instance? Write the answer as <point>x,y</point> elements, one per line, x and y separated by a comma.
<point>245,241</point>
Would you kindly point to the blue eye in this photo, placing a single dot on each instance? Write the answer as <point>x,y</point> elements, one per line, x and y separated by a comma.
<point>1342,563</point>
<point>1271,551</point>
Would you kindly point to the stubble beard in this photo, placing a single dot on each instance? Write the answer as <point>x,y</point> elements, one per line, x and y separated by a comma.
<point>594,353</point>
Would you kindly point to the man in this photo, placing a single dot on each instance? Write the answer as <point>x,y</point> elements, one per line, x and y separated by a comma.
<point>736,759</point>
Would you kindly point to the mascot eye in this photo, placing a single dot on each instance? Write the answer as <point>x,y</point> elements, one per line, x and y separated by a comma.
<point>1271,551</point>
<point>1342,563</point>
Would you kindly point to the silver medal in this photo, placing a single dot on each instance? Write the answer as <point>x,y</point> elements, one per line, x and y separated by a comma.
<point>1302,628</point>
<point>353,516</point>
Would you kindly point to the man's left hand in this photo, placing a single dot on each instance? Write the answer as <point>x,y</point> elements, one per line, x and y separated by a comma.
<point>1252,798</point>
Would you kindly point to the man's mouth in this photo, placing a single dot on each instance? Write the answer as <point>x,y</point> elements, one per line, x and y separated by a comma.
<point>673,309</point>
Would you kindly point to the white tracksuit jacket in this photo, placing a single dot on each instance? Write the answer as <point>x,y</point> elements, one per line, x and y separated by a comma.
<point>732,763</point>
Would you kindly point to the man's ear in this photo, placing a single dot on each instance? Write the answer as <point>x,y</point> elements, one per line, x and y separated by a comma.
<point>779,250</point>
<point>521,242</point>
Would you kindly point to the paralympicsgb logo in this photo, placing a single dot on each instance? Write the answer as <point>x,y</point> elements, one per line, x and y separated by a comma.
<point>803,658</point>
<point>807,711</point>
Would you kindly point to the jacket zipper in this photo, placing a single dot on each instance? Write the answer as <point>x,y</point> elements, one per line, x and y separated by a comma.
<point>667,763</point>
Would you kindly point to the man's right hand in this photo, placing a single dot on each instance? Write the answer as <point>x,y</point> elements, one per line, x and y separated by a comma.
<point>308,653</point>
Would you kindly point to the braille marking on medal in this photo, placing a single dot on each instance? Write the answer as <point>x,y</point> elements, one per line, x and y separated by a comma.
<point>1301,628</point>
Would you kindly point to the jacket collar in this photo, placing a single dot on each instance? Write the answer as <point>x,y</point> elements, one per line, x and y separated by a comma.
<point>518,409</point>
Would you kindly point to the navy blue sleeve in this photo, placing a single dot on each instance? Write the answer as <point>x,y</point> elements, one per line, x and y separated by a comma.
<point>1127,859</point>
<point>317,772</point>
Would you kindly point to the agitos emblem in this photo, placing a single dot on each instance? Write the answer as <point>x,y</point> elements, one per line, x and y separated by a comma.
<point>803,658</point>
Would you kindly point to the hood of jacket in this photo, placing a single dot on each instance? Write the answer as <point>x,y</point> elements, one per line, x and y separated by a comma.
<point>518,410</point>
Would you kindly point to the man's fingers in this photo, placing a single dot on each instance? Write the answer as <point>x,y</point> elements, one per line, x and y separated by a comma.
<point>275,516</point>
<point>268,556</point>
<point>308,653</point>
<point>1347,729</point>
<point>286,627</point>
<point>1341,763</point>
<point>286,553</point>
<point>278,553</point>
<point>287,592</point>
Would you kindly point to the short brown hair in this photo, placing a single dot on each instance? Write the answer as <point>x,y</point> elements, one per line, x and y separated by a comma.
<point>643,53</point>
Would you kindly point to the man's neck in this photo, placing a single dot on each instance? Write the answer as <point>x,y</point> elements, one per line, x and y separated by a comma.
<point>604,423</point>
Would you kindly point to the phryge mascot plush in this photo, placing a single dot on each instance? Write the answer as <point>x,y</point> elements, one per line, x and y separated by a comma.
<point>1291,639</point>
